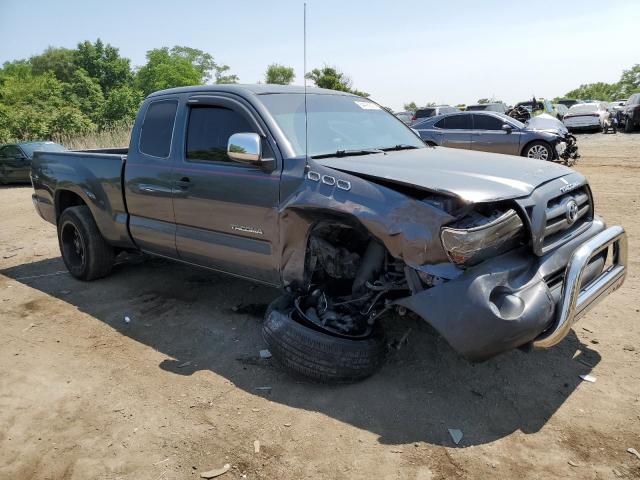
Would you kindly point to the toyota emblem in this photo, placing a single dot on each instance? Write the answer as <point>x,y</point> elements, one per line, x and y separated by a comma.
<point>571,212</point>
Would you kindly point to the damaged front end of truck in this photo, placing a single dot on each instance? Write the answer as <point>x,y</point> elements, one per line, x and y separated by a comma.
<point>483,273</point>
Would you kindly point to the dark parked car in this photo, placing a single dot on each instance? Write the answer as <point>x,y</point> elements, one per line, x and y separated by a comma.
<point>428,112</point>
<point>15,159</point>
<point>630,114</point>
<point>348,212</point>
<point>499,133</point>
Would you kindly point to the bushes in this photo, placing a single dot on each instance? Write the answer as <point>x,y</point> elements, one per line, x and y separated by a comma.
<point>64,93</point>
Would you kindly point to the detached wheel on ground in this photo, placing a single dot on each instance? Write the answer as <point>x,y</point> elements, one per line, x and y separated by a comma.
<point>538,150</point>
<point>85,252</point>
<point>318,355</point>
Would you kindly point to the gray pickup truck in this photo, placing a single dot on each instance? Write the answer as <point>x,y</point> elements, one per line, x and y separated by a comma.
<point>331,198</point>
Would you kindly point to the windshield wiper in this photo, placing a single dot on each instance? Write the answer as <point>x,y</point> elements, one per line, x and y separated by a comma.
<point>349,153</point>
<point>402,146</point>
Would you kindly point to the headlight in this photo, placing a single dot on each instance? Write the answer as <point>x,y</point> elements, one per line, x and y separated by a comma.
<point>468,246</point>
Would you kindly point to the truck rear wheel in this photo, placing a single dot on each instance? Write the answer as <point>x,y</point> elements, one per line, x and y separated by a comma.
<point>85,252</point>
<point>317,355</point>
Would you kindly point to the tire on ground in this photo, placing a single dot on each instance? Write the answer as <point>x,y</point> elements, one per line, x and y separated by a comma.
<point>628,126</point>
<point>317,355</point>
<point>98,254</point>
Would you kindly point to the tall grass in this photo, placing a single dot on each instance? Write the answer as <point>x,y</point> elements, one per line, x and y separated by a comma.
<point>112,138</point>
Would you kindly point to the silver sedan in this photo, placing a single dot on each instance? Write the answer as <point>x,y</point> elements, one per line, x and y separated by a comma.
<point>498,133</point>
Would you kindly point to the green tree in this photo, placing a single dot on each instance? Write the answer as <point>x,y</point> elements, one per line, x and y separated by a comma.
<point>333,79</point>
<point>279,74</point>
<point>596,91</point>
<point>629,82</point>
<point>223,77</point>
<point>120,107</point>
<point>411,106</point>
<point>179,67</point>
<point>165,70</point>
<point>59,61</point>
<point>482,101</point>
<point>35,107</point>
<point>104,63</point>
<point>85,93</point>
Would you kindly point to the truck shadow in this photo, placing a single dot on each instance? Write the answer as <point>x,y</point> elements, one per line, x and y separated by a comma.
<point>206,321</point>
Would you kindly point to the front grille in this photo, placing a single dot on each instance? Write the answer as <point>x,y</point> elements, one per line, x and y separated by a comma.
<point>557,227</point>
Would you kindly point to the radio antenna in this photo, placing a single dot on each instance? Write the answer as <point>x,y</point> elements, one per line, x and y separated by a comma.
<point>304,76</point>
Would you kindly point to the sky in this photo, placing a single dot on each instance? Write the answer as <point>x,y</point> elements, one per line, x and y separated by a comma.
<point>398,51</point>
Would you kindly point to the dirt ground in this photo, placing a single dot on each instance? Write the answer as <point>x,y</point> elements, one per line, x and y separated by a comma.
<point>178,389</point>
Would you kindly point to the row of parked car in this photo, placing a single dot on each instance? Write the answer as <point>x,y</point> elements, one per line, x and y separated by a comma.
<point>575,114</point>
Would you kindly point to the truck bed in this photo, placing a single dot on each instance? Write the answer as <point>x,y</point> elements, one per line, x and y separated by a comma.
<point>94,178</point>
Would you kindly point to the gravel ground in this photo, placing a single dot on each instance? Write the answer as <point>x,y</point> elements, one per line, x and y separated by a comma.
<point>178,389</point>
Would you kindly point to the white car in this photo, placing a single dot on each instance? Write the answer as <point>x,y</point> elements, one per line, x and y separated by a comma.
<point>586,116</point>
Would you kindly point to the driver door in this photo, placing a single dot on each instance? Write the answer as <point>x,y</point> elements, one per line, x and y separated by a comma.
<point>226,211</point>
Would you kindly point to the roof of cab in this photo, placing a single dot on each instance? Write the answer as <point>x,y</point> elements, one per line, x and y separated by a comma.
<point>250,89</point>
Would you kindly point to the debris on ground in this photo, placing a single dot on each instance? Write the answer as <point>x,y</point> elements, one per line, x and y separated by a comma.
<point>572,463</point>
<point>628,348</point>
<point>127,319</point>
<point>587,329</point>
<point>256,446</point>
<point>456,435</point>
<point>161,461</point>
<point>216,472</point>
<point>633,451</point>
<point>287,424</point>
<point>9,255</point>
<point>264,354</point>
<point>588,378</point>
<point>185,364</point>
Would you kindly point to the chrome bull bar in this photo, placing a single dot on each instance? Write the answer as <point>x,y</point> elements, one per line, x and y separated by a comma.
<point>576,301</point>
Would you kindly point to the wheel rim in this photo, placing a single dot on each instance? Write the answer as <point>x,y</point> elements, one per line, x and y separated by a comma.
<point>73,246</point>
<point>539,152</point>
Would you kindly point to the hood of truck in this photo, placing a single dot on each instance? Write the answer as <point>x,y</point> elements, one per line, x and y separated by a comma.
<point>469,175</point>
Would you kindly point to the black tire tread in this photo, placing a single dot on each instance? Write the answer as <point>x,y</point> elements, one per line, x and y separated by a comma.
<point>320,356</point>
<point>100,254</point>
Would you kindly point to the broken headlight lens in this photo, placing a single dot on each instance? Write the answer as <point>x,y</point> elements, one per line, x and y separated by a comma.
<point>468,246</point>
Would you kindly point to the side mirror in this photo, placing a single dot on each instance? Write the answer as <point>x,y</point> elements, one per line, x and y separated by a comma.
<point>507,128</point>
<point>245,147</point>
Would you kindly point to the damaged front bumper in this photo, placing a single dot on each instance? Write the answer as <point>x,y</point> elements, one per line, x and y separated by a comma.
<point>514,300</point>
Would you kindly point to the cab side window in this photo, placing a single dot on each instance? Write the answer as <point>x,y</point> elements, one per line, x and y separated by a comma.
<point>209,130</point>
<point>157,128</point>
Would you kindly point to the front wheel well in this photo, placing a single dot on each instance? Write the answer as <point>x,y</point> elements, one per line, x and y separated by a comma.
<point>65,199</point>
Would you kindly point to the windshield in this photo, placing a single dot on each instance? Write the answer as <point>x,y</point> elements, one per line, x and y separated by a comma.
<point>337,122</point>
<point>30,148</point>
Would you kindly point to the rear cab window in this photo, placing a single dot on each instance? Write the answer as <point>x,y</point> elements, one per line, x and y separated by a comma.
<point>157,128</point>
